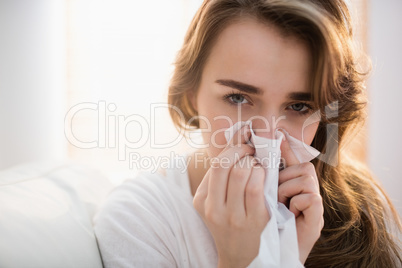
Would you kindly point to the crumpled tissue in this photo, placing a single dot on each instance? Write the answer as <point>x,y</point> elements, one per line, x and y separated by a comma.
<point>278,245</point>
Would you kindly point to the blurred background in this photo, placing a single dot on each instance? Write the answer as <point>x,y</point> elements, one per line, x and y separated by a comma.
<point>78,77</point>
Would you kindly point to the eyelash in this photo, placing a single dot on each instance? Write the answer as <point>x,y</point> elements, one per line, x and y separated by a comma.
<point>227,97</point>
<point>234,94</point>
<point>307,111</point>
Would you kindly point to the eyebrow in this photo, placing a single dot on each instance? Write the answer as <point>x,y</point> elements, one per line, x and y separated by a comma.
<point>303,96</point>
<point>240,86</point>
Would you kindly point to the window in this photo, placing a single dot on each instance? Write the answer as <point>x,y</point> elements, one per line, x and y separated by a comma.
<point>120,56</point>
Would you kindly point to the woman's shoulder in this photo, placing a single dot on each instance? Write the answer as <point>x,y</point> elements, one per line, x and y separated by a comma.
<point>155,191</point>
<point>148,214</point>
<point>171,175</point>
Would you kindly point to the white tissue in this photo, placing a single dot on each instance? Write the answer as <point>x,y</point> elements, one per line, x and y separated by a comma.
<point>278,246</point>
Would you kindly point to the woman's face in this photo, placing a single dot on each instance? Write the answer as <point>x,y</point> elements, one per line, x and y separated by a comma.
<point>255,73</point>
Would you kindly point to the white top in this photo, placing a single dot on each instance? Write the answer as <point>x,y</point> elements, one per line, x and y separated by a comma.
<point>150,221</point>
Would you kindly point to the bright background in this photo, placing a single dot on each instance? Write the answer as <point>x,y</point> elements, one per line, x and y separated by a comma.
<point>56,54</point>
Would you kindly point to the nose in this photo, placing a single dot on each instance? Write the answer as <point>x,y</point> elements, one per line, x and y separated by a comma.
<point>264,126</point>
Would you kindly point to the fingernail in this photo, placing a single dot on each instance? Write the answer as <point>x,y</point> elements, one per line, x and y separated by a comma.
<point>281,165</point>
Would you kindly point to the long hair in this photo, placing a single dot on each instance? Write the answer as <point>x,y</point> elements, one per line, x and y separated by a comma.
<point>357,212</point>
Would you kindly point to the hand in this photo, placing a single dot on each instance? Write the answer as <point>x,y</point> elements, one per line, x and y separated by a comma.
<point>299,191</point>
<point>230,200</point>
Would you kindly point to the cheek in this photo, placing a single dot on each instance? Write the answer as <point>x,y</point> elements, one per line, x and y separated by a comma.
<point>295,127</point>
<point>309,133</point>
<point>215,118</point>
<point>214,137</point>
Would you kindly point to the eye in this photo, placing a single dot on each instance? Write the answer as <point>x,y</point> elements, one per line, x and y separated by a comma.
<point>299,107</point>
<point>236,99</point>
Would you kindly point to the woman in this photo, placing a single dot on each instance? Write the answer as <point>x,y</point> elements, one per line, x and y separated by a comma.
<point>283,64</point>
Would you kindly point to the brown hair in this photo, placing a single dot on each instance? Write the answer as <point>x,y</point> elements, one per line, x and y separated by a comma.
<point>355,232</point>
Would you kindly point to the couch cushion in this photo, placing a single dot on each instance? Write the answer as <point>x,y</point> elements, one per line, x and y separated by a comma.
<point>46,215</point>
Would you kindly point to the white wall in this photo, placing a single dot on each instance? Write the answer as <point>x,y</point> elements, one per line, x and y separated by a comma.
<point>32,80</point>
<point>385,90</point>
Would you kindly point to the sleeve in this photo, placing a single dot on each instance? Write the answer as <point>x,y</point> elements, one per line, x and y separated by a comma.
<point>133,228</point>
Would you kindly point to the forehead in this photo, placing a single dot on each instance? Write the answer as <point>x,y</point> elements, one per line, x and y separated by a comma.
<point>258,54</point>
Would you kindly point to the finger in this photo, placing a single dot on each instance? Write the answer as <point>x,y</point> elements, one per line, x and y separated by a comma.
<point>213,186</point>
<point>221,165</point>
<point>308,210</point>
<point>254,196</point>
<point>288,157</point>
<point>202,189</point>
<point>298,171</point>
<point>301,185</point>
<point>218,182</point>
<point>238,178</point>
<point>310,205</point>
<point>201,194</point>
<point>231,153</point>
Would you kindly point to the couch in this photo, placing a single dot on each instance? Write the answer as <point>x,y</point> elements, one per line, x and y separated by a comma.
<point>46,212</point>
